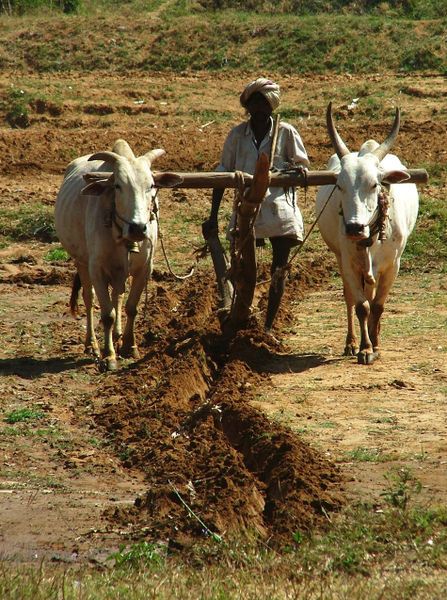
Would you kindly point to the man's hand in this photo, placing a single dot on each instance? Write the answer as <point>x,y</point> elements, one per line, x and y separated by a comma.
<point>301,169</point>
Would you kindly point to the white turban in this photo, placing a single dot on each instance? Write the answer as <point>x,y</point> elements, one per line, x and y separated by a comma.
<point>269,89</point>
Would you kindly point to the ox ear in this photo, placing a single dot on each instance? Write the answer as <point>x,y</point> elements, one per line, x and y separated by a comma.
<point>96,187</point>
<point>96,176</point>
<point>395,176</point>
<point>167,180</point>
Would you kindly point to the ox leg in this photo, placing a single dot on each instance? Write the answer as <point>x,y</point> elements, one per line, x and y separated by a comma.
<point>366,355</point>
<point>374,325</point>
<point>351,345</point>
<point>117,300</point>
<point>108,317</point>
<point>377,306</point>
<point>129,348</point>
<point>91,345</point>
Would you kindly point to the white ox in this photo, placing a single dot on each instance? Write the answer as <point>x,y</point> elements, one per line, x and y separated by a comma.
<point>104,218</point>
<point>366,222</point>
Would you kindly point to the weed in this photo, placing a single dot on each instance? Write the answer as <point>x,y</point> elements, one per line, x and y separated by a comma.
<point>56,254</point>
<point>16,108</point>
<point>367,455</point>
<point>10,432</point>
<point>125,453</point>
<point>328,425</point>
<point>138,555</point>
<point>97,443</point>
<point>427,246</point>
<point>23,415</point>
<point>402,486</point>
<point>420,58</point>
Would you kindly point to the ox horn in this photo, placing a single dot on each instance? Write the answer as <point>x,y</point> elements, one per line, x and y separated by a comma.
<point>386,146</point>
<point>153,154</point>
<point>339,146</point>
<point>110,157</point>
<point>122,148</point>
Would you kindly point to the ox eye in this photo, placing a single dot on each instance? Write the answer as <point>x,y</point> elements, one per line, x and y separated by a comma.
<point>117,186</point>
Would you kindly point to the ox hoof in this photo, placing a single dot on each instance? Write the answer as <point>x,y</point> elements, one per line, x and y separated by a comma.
<point>350,351</point>
<point>92,351</point>
<point>108,364</point>
<point>129,352</point>
<point>366,358</point>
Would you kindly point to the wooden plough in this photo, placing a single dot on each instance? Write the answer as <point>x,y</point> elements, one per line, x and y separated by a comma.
<point>236,296</point>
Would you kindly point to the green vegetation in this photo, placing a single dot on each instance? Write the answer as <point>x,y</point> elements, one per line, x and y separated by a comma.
<point>367,455</point>
<point>139,555</point>
<point>23,415</point>
<point>21,7</point>
<point>28,222</point>
<point>427,247</point>
<point>418,9</point>
<point>179,39</point>
<point>415,9</point>
<point>56,254</point>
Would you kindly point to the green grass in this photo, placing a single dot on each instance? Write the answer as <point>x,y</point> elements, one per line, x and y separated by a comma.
<point>367,455</point>
<point>427,246</point>
<point>181,41</point>
<point>21,415</point>
<point>33,221</point>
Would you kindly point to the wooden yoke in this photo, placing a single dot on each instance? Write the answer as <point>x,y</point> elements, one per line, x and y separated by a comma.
<point>244,256</point>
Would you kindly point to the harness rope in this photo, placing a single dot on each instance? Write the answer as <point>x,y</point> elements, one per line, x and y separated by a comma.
<point>154,212</point>
<point>161,237</point>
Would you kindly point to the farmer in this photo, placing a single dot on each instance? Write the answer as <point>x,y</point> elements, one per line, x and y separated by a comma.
<point>279,218</point>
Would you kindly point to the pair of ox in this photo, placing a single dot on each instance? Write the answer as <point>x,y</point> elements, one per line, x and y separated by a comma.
<point>366,220</point>
<point>104,218</point>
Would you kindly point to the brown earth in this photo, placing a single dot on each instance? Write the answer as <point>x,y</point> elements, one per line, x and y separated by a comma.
<point>252,436</point>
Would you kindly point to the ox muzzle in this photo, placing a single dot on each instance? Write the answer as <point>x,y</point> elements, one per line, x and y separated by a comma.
<point>357,231</point>
<point>135,232</point>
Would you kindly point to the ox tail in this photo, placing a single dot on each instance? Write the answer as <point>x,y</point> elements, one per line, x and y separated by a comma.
<point>75,294</point>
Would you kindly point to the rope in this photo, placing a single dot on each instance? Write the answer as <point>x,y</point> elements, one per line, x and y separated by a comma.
<point>160,237</point>
<point>312,227</point>
<point>148,274</point>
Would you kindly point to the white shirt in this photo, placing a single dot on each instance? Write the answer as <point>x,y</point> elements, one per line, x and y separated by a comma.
<point>279,214</point>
